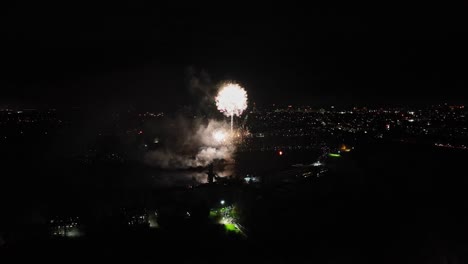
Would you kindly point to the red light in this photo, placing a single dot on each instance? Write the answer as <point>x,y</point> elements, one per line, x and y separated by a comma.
<point>280,153</point>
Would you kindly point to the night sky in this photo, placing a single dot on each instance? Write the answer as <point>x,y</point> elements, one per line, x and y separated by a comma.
<point>289,53</point>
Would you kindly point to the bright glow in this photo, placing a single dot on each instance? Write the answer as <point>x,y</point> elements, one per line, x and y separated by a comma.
<point>280,153</point>
<point>344,148</point>
<point>222,202</point>
<point>334,155</point>
<point>231,227</point>
<point>231,99</point>
<point>251,179</point>
<point>317,164</point>
<point>153,222</point>
<point>219,136</point>
<point>73,232</point>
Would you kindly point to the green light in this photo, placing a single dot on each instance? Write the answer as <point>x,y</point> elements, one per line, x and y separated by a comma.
<point>213,213</point>
<point>231,227</point>
<point>334,155</point>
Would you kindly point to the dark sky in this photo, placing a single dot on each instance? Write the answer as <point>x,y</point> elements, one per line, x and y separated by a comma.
<point>78,53</point>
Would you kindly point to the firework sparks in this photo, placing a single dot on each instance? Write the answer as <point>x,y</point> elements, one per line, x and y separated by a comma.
<point>219,136</point>
<point>231,100</point>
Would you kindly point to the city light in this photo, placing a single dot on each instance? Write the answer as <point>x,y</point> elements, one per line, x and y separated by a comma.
<point>344,148</point>
<point>317,164</point>
<point>231,227</point>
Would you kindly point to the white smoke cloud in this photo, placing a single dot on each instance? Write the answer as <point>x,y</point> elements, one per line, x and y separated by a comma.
<point>195,147</point>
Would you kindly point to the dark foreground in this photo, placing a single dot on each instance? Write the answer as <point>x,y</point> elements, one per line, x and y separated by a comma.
<point>382,203</point>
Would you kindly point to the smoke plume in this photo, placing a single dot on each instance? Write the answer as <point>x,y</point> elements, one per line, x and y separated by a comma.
<point>191,144</point>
